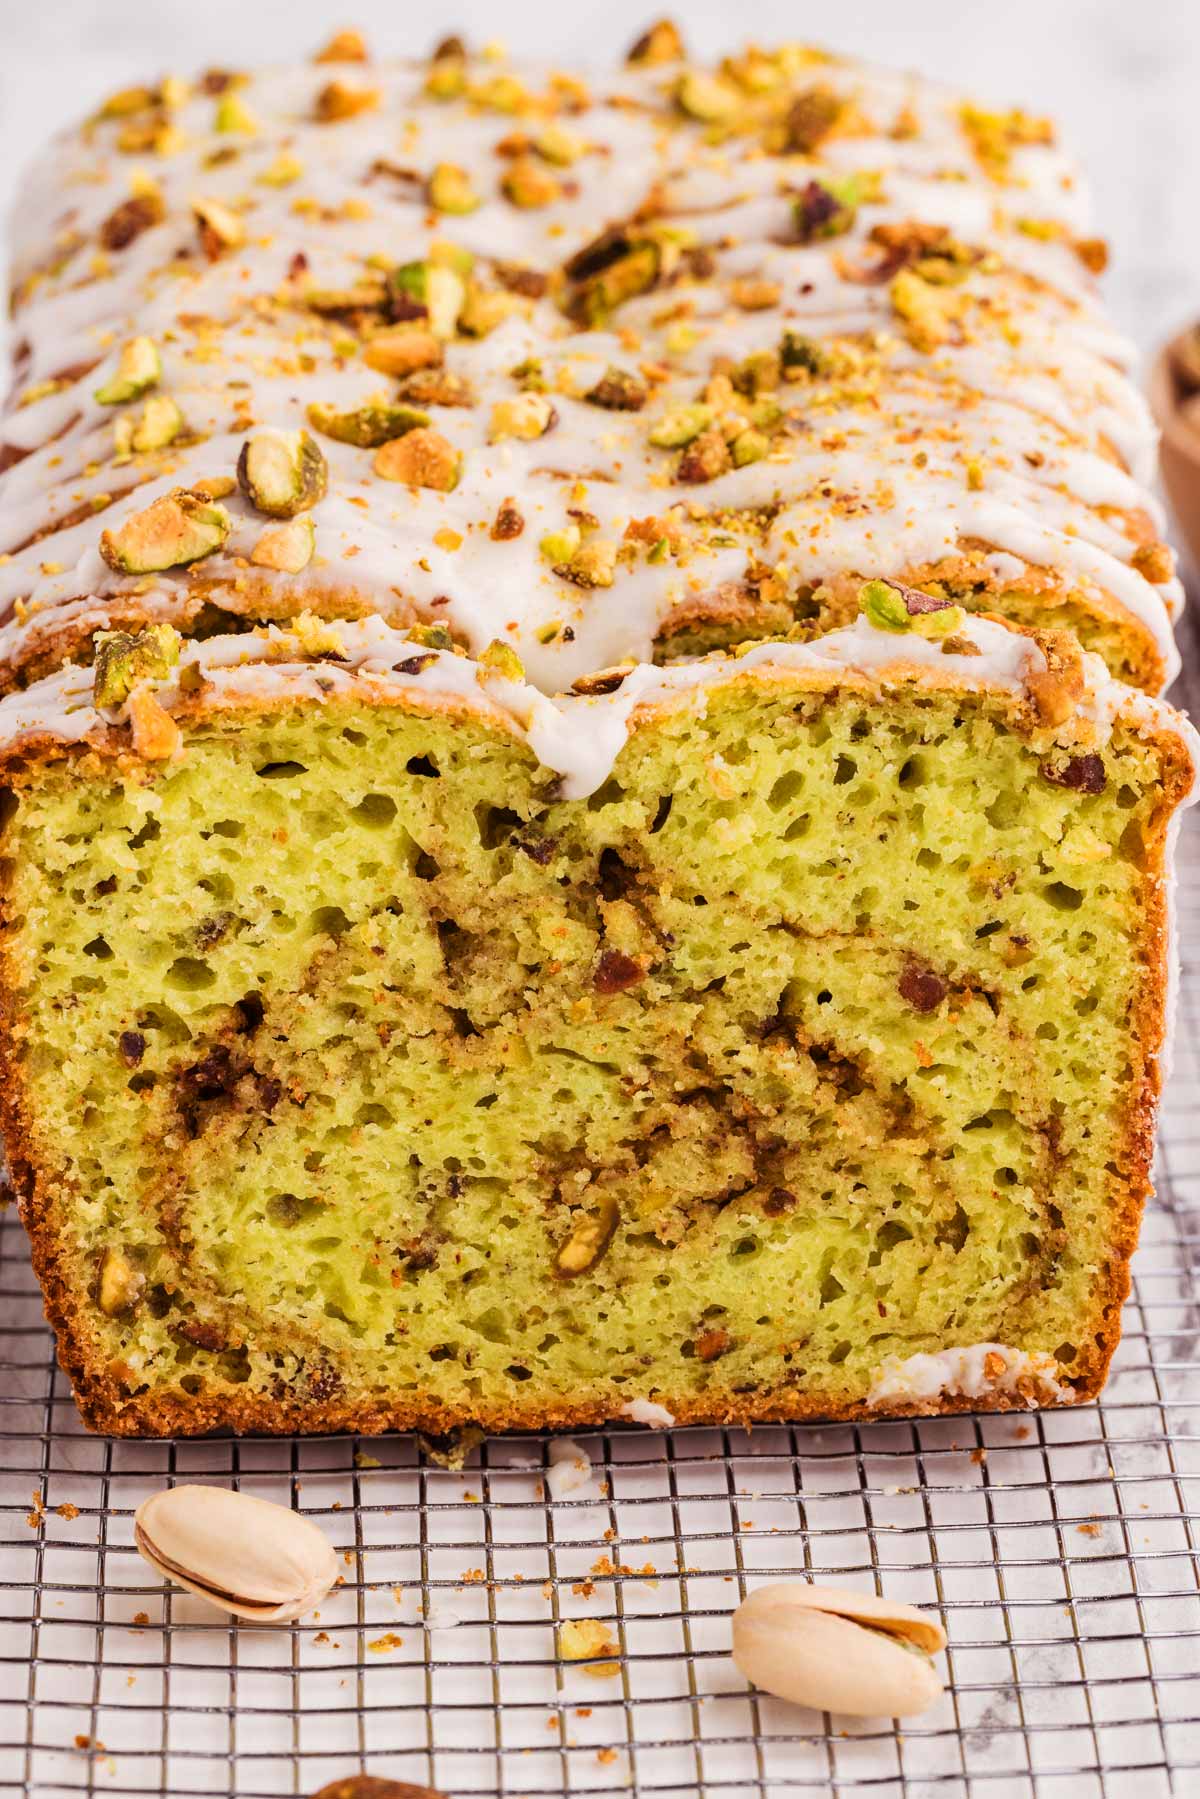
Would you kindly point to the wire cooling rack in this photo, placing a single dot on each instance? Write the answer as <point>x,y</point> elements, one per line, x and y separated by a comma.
<point>1060,1549</point>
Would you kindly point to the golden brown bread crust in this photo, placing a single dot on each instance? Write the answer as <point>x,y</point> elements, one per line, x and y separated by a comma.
<point>106,1406</point>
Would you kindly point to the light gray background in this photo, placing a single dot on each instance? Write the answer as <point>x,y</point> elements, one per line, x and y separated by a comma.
<point>1122,76</point>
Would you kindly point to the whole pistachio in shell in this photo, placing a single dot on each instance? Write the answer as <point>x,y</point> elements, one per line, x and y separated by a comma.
<point>260,1561</point>
<point>838,1651</point>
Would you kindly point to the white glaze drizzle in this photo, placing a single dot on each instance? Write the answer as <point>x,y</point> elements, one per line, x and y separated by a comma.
<point>1033,400</point>
<point>968,1373</point>
<point>579,736</point>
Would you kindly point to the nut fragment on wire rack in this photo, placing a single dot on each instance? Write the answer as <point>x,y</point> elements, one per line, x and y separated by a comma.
<point>259,1561</point>
<point>838,1651</point>
<point>368,1786</point>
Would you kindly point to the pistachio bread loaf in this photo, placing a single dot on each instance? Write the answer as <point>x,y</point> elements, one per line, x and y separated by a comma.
<point>623,368</point>
<point>391,1045</point>
<point>587,832</point>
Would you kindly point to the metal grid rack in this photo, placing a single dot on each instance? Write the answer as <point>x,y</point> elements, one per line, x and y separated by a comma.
<point>1060,1548</point>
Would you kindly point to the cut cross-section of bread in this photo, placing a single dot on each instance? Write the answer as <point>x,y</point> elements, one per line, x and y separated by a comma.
<point>781,1038</point>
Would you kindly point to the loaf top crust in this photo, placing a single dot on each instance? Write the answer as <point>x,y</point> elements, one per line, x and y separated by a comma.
<point>680,340</point>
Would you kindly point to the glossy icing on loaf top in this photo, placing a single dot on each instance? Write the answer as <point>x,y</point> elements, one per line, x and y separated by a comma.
<point>686,340</point>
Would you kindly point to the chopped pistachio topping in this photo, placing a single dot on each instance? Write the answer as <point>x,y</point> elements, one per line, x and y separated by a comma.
<point>177,528</point>
<point>661,44</point>
<point>526,415</point>
<point>368,426</point>
<point>139,368</point>
<point>619,391</point>
<point>421,458</point>
<point>402,350</point>
<point>233,115</point>
<point>450,190</point>
<point>593,564</point>
<point>501,659</point>
<point>282,170</point>
<point>282,473</point>
<point>706,97</point>
<point>560,546</point>
<point>160,424</point>
<point>890,606</point>
<point>941,620</point>
<point>528,185</point>
<point>287,548</point>
<point>883,605</point>
<point>430,291</point>
<point>558,145</point>
<point>221,228</point>
<point>337,100</point>
<point>123,658</point>
<point>487,307</point>
<point>681,426</point>
<point>750,446</point>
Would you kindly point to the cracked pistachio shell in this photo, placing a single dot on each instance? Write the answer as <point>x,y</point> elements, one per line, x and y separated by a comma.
<point>259,1561</point>
<point>838,1651</point>
<point>282,473</point>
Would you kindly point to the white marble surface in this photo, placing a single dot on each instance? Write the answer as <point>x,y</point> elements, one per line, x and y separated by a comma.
<point>1124,80</point>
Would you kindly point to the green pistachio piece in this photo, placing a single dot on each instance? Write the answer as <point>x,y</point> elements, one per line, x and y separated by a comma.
<point>619,391</point>
<point>621,280</point>
<point>883,606</point>
<point>485,308</point>
<point>232,114</point>
<point>941,621</point>
<point>560,546</point>
<point>369,426</point>
<point>661,43</point>
<point>138,368</point>
<point>123,658</point>
<point>334,302</point>
<point>432,637</point>
<point>160,424</point>
<point>437,291</point>
<point>799,355</point>
<point>706,97</point>
<point>286,548</point>
<point>282,473</point>
<point>750,446</point>
<point>530,375</point>
<point>177,528</point>
<point>449,189</point>
<point>681,425</point>
<point>501,659</point>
